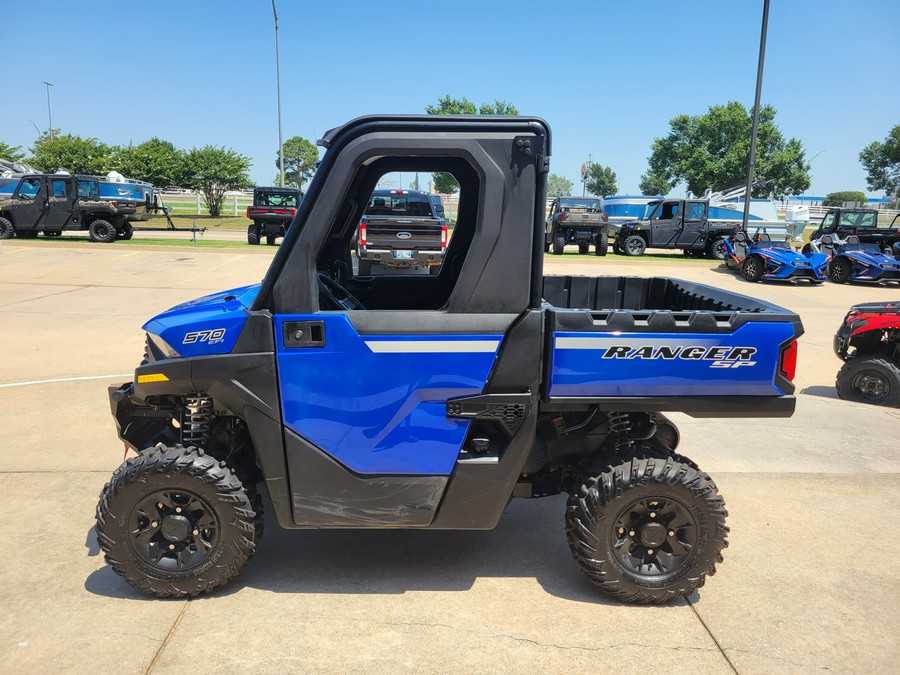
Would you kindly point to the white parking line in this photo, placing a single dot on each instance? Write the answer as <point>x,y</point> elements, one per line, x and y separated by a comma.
<point>64,379</point>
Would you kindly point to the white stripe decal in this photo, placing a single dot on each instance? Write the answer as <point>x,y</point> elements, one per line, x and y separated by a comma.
<point>65,379</point>
<point>636,340</point>
<point>431,346</point>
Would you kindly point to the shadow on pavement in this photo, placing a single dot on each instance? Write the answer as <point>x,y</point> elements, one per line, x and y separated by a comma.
<point>529,541</point>
<point>821,391</point>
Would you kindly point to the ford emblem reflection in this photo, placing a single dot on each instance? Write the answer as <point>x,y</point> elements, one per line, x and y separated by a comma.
<point>404,235</point>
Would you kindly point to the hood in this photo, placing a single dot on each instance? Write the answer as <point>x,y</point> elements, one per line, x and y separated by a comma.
<point>205,326</point>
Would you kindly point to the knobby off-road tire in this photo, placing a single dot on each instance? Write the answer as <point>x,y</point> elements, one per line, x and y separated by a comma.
<point>127,231</point>
<point>602,247</point>
<point>102,232</point>
<point>634,245</point>
<point>7,231</point>
<point>176,522</point>
<point>559,243</point>
<point>869,379</point>
<point>252,235</point>
<point>716,249</point>
<point>648,530</point>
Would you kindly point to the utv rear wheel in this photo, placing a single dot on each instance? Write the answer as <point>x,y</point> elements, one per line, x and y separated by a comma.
<point>634,245</point>
<point>648,530</point>
<point>602,244</point>
<point>839,270</point>
<point>753,268</point>
<point>175,522</point>
<point>127,231</point>
<point>869,380</point>
<point>270,239</point>
<point>102,232</point>
<point>7,231</point>
<point>252,235</point>
<point>559,243</point>
<point>716,249</point>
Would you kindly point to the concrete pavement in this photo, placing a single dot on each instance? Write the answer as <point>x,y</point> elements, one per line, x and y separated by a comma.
<point>809,581</point>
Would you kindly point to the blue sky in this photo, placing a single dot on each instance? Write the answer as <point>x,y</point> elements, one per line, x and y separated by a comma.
<point>607,76</point>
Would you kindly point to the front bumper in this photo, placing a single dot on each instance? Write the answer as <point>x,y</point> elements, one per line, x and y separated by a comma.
<point>138,425</point>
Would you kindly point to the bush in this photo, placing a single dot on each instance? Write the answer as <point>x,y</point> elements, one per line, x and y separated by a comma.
<point>838,198</point>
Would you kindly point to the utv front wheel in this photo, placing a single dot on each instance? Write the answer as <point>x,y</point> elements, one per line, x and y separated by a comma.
<point>175,522</point>
<point>634,245</point>
<point>648,530</point>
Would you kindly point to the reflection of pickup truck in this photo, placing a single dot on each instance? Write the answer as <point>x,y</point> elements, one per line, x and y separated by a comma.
<point>862,223</point>
<point>51,203</point>
<point>400,228</point>
<point>576,220</point>
<point>272,211</point>
<point>419,401</point>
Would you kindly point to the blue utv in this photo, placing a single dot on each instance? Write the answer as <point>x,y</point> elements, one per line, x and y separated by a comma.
<point>761,259</point>
<point>852,260</point>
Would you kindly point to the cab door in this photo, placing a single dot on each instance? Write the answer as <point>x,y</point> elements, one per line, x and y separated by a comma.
<point>30,204</point>
<point>666,227</point>
<point>693,231</point>
<point>60,202</point>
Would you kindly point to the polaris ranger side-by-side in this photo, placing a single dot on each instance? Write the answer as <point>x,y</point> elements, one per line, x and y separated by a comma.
<point>271,213</point>
<point>428,401</point>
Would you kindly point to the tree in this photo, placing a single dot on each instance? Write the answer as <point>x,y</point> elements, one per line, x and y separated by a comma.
<point>11,153</point>
<point>213,171</point>
<point>155,161</point>
<point>300,157</point>
<point>711,151</point>
<point>838,198</point>
<point>72,153</point>
<point>653,184</point>
<point>601,180</point>
<point>882,163</point>
<point>557,186</point>
<point>445,183</point>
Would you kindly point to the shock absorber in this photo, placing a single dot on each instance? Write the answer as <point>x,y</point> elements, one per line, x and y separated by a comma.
<point>196,420</point>
<point>619,427</point>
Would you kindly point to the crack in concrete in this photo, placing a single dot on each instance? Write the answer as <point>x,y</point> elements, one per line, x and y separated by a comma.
<point>712,637</point>
<point>168,637</point>
<point>777,658</point>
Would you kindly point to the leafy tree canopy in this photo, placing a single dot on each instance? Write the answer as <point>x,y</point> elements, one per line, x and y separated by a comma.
<point>300,157</point>
<point>601,180</point>
<point>711,151</point>
<point>558,186</point>
<point>838,198</point>
<point>214,170</point>
<point>881,161</point>
<point>12,153</point>
<point>155,161</point>
<point>445,183</point>
<point>72,153</point>
<point>653,184</point>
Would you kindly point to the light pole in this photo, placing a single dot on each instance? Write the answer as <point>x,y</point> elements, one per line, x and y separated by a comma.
<point>278,84</point>
<point>751,162</point>
<point>49,116</point>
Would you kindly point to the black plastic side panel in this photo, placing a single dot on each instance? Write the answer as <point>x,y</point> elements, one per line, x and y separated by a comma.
<point>695,406</point>
<point>478,493</point>
<point>327,494</point>
<point>268,441</point>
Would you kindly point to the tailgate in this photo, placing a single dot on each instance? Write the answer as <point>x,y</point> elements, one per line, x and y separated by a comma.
<point>403,233</point>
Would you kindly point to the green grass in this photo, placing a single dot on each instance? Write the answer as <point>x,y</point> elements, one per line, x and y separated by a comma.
<point>184,241</point>
<point>219,223</point>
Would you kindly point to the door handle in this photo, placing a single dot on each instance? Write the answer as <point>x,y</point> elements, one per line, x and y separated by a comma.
<point>297,334</point>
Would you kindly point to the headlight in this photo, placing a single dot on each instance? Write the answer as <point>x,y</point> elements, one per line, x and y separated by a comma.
<point>158,349</point>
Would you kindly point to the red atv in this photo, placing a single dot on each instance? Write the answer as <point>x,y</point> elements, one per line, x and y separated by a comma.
<point>869,343</point>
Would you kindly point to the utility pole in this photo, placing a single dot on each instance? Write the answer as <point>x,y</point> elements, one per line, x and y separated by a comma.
<point>751,162</point>
<point>278,84</point>
<point>49,116</point>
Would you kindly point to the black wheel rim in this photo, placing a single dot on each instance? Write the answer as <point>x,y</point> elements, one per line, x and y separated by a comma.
<point>634,246</point>
<point>654,536</point>
<point>719,249</point>
<point>173,530</point>
<point>871,386</point>
<point>837,271</point>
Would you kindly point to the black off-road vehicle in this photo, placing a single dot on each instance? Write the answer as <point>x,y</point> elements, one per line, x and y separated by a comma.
<point>868,342</point>
<point>51,203</point>
<point>577,220</point>
<point>272,212</point>
<point>861,223</point>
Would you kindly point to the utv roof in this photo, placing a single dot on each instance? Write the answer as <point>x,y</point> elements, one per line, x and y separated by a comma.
<point>437,123</point>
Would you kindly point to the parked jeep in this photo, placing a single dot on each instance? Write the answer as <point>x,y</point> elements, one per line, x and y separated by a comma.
<point>51,203</point>
<point>272,212</point>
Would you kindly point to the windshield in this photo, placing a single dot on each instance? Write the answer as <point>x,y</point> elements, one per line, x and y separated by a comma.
<point>649,210</point>
<point>399,204</point>
<point>584,203</point>
<point>288,199</point>
<point>858,246</point>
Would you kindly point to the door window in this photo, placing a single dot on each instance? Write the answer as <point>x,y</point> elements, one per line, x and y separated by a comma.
<point>29,188</point>
<point>696,211</point>
<point>828,223</point>
<point>669,210</point>
<point>59,189</point>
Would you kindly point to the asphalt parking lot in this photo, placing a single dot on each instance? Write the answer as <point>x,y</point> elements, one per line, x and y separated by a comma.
<point>809,581</point>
